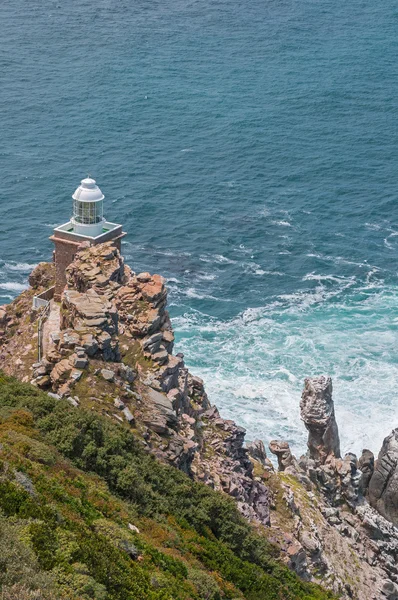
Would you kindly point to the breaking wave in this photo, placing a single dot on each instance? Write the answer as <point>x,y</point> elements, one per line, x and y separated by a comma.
<point>254,365</point>
<point>12,286</point>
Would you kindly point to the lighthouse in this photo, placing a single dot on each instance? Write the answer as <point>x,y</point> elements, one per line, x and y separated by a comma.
<point>86,224</point>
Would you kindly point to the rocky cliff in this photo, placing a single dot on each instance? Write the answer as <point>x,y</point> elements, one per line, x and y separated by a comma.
<point>108,347</point>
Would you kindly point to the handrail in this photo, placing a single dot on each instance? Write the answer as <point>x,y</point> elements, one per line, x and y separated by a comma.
<point>42,317</point>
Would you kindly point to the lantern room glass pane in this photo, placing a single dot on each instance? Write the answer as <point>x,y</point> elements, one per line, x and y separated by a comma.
<point>87,213</point>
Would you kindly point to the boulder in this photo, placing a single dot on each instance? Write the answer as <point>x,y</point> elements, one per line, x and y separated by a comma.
<point>389,590</point>
<point>61,371</point>
<point>128,415</point>
<point>108,375</point>
<point>317,412</point>
<point>282,451</point>
<point>127,373</point>
<point>366,464</point>
<point>89,344</point>
<point>383,486</point>
<point>257,451</point>
<point>80,362</point>
<point>151,344</point>
<point>163,406</point>
<point>161,357</point>
<point>76,374</point>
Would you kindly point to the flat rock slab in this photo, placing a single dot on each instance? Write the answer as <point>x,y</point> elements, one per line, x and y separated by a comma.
<point>163,405</point>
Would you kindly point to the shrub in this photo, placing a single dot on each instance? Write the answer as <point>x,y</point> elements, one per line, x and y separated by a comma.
<point>86,558</point>
<point>206,587</point>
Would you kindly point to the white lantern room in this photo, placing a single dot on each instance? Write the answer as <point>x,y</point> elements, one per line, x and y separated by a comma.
<point>88,214</point>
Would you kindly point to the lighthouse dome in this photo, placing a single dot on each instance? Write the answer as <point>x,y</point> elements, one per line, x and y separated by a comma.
<point>88,191</point>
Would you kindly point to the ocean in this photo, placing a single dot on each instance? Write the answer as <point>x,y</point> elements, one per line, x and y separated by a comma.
<point>251,152</point>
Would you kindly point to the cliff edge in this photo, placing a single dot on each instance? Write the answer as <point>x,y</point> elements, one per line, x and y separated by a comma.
<point>107,347</point>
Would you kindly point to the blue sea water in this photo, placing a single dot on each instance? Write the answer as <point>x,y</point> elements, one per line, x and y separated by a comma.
<point>250,150</point>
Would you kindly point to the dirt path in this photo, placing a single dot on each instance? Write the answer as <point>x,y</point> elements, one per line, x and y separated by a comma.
<point>51,325</point>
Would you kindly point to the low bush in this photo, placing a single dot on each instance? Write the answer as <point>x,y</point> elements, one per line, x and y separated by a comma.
<point>76,529</point>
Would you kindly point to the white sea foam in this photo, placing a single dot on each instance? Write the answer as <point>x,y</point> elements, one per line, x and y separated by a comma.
<point>257,270</point>
<point>12,286</point>
<point>338,260</point>
<point>387,241</point>
<point>172,253</point>
<point>206,276</point>
<point>254,365</point>
<point>335,278</point>
<point>192,293</point>
<point>216,258</point>
<point>16,266</point>
<point>282,223</point>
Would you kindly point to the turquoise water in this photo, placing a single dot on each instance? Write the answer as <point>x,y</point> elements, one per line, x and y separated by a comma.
<point>250,150</point>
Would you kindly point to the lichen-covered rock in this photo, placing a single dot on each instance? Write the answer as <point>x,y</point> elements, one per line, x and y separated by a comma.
<point>108,375</point>
<point>317,412</point>
<point>42,276</point>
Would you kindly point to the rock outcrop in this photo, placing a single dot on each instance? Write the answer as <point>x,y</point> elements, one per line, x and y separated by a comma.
<point>112,350</point>
<point>366,465</point>
<point>282,451</point>
<point>383,485</point>
<point>317,412</point>
<point>256,451</point>
<point>331,521</point>
<point>109,349</point>
<point>42,276</point>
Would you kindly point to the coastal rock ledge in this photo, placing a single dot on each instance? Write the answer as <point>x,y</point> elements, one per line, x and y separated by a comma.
<point>107,346</point>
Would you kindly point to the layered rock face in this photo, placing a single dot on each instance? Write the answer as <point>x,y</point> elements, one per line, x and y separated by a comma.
<point>383,485</point>
<point>335,533</point>
<point>109,346</point>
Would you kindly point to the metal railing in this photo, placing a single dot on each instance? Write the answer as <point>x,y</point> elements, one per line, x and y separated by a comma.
<point>40,321</point>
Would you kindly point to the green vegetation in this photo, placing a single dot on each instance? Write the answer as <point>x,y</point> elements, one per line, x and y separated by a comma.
<point>71,482</point>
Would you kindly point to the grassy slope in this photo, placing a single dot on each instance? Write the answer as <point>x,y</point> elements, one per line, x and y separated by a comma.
<point>71,482</point>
